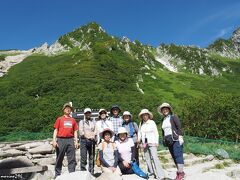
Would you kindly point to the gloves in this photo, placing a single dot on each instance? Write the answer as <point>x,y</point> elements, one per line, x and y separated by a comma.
<point>181,141</point>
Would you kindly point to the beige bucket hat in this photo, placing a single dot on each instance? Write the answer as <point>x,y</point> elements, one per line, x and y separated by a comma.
<point>145,111</point>
<point>163,105</point>
<point>67,105</point>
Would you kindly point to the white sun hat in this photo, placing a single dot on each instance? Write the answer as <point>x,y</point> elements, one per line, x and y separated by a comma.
<point>145,111</point>
<point>87,110</point>
<point>164,105</point>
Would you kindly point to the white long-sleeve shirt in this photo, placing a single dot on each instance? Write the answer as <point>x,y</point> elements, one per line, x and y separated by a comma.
<point>149,130</point>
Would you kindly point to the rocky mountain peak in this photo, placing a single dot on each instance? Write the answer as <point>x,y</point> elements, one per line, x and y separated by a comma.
<point>236,36</point>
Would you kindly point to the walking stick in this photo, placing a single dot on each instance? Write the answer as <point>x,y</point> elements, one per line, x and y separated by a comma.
<point>152,163</point>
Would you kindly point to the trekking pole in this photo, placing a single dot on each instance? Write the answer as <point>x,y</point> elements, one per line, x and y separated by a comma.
<point>152,163</point>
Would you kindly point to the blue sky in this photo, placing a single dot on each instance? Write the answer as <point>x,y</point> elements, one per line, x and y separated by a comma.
<point>28,23</point>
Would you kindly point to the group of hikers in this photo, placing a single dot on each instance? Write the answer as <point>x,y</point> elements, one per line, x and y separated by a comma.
<point>117,140</point>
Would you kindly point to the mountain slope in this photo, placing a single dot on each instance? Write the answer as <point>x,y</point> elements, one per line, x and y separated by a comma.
<point>93,69</point>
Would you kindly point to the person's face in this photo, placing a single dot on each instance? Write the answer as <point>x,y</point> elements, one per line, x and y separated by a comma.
<point>115,111</point>
<point>165,111</point>
<point>67,110</point>
<point>103,115</point>
<point>145,116</point>
<point>107,136</point>
<point>87,115</point>
<point>126,118</point>
<point>122,136</point>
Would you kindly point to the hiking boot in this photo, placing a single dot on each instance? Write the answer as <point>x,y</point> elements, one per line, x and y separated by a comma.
<point>180,176</point>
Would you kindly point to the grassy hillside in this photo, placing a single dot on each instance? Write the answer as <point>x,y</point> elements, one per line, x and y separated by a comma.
<point>98,72</point>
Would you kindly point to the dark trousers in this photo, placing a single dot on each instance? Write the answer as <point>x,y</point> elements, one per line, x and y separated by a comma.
<point>65,145</point>
<point>87,147</point>
<point>177,153</point>
<point>125,170</point>
<point>136,153</point>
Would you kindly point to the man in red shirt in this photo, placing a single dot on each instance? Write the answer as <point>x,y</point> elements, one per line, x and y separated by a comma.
<point>65,140</point>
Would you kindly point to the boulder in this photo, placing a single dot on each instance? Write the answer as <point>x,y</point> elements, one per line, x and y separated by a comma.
<point>17,162</point>
<point>109,176</point>
<point>222,154</point>
<point>29,145</point>
<point>234,174</point>
<point>43,175</point>
<point>209,157</point>
<point>11,153</point>
<point>43,149</point>
<point>83,175</point>
<point>45,161</point>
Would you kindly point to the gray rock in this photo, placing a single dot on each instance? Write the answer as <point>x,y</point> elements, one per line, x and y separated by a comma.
<point>221,153</point>
<point>45,161</point>
<point>234,174</point>
<point>38,156</point>
<point>11,153</point>
<point>209,157</point>
<point>29,145</point>
<point>43,149</point>
<point>46,175</point>
<point>83,175</point>
<point>109,176</point>
<point>16,144</point>
<point>2,145</point>
<point>6,147</point>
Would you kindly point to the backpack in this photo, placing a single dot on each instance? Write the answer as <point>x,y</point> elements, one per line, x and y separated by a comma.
<point>98,161</point>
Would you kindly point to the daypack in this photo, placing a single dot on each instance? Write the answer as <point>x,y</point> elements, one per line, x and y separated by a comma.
<point>98,161</point>
<point>137,170</point>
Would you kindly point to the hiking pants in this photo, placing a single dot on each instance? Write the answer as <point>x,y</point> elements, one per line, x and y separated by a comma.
<point>65,145</point>
<point>152,151</point>
<point>87,147</point>
<point>125,170</point>
<point>177,153</point>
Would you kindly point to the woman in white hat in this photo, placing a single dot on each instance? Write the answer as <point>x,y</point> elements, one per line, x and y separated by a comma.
<point>103,122</point>
<point>149,138</point>
<point>108,153</point>
<point>172,137</point>
<point>132,129</point>
<point>126,150</point>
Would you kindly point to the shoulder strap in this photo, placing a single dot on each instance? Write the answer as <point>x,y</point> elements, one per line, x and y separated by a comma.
<point>131,129</point>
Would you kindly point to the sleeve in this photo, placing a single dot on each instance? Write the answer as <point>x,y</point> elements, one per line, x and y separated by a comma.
<point>116,158</point>
<point>178,125</point>
<point>81,128</point>
<point>103,162</point>
<point>135,127</point>
<point>133,157</point>
<point>155,131</point>
<point>75,126</point>
<point>57,124</point>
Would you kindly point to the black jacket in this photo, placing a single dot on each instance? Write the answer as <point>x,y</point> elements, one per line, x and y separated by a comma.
<point>176,127</point>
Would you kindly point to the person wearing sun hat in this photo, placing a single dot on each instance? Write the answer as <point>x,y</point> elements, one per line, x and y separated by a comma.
<point>116,119</point>
<point>65,139</point>
<point>132,129</point>
<point>108,153</point>
<point>173,137</point>
<point>126,150</point>
<point>148,137</point>
<point>103,122</point>
<point>88,133</point>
